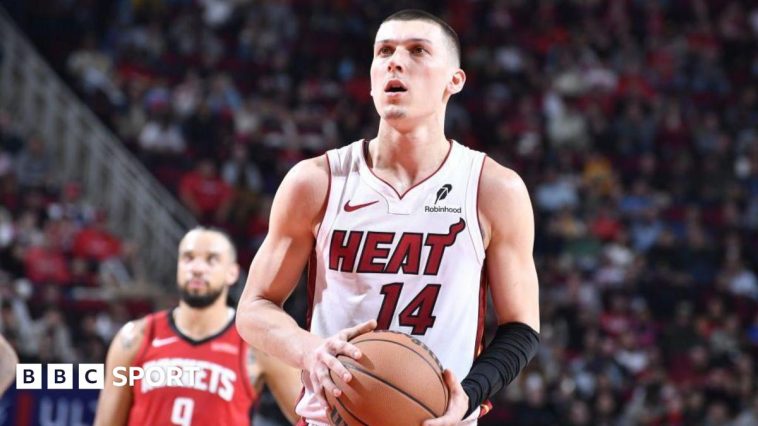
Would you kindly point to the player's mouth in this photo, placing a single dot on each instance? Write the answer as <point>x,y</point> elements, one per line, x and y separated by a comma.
<point>196,283</point>
<point>394,88</point>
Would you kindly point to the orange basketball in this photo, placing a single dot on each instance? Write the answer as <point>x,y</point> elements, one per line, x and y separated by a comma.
<point>397,381</point>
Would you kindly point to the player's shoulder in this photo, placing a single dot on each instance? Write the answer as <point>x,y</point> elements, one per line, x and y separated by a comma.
<point>307,182</point>
<point>500,183</point>
<point>302,193</point>
<point>501,189</point>
<point>135,327</point>
<point>131,335</point>
<point>310,173</point>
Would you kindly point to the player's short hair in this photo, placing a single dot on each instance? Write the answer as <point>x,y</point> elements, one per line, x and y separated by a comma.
<point>221,232</point>
<point>420,15</point>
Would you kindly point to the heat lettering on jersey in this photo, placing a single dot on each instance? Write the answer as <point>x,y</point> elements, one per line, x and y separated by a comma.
<point>380,254</point>
<point>196,374</point>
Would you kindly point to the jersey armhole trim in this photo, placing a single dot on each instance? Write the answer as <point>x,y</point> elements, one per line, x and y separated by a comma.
<point>472,204</point>
<point>325,205</point>
<point>478,186</point>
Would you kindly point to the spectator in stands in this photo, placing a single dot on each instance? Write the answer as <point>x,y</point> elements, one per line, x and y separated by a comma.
<point>90,346</point>
<point>10,141</point>
<point>749,415</point>
<point>95,242</point>
<point>45,264</point>
<point>223,96</point>
<point>244,176</point>
<point>53,337</point>
<point>161,136</point>
<point>202,130</point>
<point>72,206</point>
<point>186,97</point>
<point>94,70</point>
<point>240,170</point>
<point>738,279</point>
<point>123,274</point>
<point>205,193</point>
<point>557,191</point>
<point>132,118</point>
<point>34,168</point>
<point>15,320</point>
<point>247,119</point>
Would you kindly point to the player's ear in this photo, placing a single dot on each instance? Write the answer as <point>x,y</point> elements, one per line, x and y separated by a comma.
<point>233,274</point>
<point>456,82</point>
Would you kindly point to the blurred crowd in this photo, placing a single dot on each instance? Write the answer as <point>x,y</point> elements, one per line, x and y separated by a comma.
<point>633,123</point>
<point>67,283</point>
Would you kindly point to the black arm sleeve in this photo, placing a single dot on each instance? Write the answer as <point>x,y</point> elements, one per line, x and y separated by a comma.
<point>514,344</point>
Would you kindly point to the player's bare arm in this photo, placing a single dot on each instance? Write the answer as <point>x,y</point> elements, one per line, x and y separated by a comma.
<point>277,266</point>
<point>295,216</point>
<point>509,244</point>
<point>8,361</point>
<point>254,373</point>
<point>511,272</point>
<point>114,402</point>
<point>281,379</point>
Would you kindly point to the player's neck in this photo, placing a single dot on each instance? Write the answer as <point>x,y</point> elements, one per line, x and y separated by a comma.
<point>408,156</point>
<point>200,323</point>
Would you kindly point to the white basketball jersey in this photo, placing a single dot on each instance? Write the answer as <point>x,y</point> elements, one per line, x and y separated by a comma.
<point>411,261</point>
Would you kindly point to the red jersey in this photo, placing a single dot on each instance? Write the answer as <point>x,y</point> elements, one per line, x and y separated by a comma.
<point>214,387</point>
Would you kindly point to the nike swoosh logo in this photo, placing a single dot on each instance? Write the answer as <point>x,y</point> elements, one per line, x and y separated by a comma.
<point>349,208</point>
<point>157,343</point>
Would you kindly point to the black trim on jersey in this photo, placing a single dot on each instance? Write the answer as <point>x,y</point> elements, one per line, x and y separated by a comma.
<point>191,341</point>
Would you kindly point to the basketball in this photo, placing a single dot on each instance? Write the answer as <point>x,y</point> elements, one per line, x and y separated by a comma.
<point>397,381</point>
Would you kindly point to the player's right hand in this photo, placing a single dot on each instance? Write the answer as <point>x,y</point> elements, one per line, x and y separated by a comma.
<point>324,359</point>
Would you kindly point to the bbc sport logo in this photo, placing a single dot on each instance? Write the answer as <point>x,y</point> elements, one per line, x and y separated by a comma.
<point>92,376</point>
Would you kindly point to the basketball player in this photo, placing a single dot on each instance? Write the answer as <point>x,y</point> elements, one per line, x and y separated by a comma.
<point>405,231</point>
<point>8,361</point>
<point>222,375</point>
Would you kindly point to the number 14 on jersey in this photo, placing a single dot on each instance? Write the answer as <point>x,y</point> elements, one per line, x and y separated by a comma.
<point>417,314</point>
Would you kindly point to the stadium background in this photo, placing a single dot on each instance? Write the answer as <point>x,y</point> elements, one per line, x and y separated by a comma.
<point>633,123</point>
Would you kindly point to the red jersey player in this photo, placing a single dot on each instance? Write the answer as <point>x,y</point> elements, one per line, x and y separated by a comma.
<point>220,376</point>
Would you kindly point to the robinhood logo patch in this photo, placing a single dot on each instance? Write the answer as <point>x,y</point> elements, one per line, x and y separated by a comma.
<point>442,192</point>
<point>441,195</point>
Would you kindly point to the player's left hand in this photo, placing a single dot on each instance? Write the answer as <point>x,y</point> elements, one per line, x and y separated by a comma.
<point>457,405</point>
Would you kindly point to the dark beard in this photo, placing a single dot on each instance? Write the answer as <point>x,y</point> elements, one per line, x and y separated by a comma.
<point>200,300</point>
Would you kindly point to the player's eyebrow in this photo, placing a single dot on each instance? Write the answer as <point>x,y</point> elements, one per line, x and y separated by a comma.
<point>190,251</point>
<point>408,40</point>
<point>212,252</point>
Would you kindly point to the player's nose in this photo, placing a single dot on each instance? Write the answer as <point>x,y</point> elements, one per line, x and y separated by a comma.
<point>394,63</point>
<point>393,66</point>
<point>198,266</point>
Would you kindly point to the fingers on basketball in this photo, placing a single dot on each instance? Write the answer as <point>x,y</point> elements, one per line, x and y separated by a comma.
<point>360,329</point>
